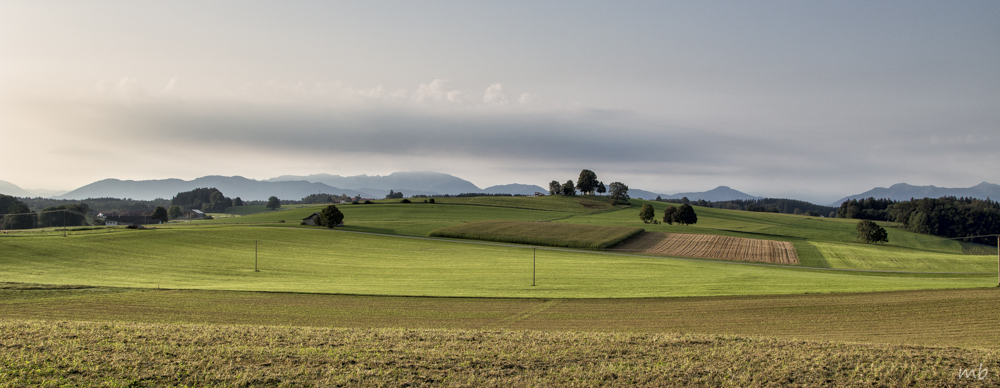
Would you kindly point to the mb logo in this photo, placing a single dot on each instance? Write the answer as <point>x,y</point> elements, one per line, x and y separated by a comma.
<point>974,373</point>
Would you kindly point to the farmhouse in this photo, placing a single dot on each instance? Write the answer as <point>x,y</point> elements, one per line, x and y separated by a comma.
<point>311,220</point>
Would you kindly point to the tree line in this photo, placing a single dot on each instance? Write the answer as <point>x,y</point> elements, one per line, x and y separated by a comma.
<point>764,205</point>
<point>950,217</point>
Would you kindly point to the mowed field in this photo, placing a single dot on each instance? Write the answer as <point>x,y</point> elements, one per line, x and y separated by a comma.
<point>293,259</point>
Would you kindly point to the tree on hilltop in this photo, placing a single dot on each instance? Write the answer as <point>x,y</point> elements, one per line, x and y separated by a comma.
<point>569,188</point>
<point>600,188</point>
<point>619,193</point>
<point>587,182</point>
<point>555,188</point>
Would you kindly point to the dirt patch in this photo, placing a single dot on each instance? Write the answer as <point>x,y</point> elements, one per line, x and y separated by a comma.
<point>711,247</point>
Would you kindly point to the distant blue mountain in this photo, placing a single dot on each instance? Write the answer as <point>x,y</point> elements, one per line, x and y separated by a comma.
<point>236,186</point>
<point>903,192</point>
<point>514,188</point>
<point>415,182</point>
<point>12,190</point>
<point>721,193</point>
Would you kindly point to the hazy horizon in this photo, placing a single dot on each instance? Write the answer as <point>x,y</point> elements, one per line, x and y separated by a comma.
<point>806,100</point>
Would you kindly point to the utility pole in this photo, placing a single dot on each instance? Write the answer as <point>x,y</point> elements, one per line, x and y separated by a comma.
<point>533,267</point>
<point>255,256</point>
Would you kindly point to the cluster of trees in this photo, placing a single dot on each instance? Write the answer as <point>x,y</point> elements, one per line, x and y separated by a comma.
<point>394,195</point>
<point>586,183</point>
<point>15,214</point>
<point>324,198</point>
<point>63,215</point>
<point>767,205</point>
<point>947,216</point>
<point>867,209</point>
<point>107,205</point>
<point>208,199</point>
<point>684,215</point>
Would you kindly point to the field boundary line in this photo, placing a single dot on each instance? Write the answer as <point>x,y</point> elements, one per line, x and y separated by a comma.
<point>541,247</point>
<point>524,315</point>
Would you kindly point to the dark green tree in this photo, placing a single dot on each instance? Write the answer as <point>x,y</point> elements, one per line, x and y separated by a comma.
<point>568,188</point>
<point>646,214</point>
<point>15,214</point>
<point>175,212</point>
<point>619,193</point>
<point>273,203</point>
<point>685,215</point>
<point>330,216</point>
<point>237,201</point>
<point>160,213</point>
<point>64,215</point>
<point>669,214</point>
<point>601,189</point>
<point>870,232</point>
<point>555,188</point>
<point>587,182</point>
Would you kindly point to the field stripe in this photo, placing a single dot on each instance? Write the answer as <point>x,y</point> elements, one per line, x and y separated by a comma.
<point>610,253</point>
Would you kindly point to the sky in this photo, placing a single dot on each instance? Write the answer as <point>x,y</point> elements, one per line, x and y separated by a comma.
<point>813,100</point>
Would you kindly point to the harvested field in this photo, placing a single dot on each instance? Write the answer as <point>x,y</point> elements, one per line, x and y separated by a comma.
<point>711,247</point>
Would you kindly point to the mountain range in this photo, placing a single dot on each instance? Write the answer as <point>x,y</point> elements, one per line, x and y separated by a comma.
<point>296,187</point>
<point>423,183</point>
<point>903,192</point>
<point>12,190</point>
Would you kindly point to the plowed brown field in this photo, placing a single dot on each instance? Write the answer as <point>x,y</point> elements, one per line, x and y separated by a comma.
<point>711,247</point>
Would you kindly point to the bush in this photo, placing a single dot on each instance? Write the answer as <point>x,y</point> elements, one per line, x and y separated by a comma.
<point>404,201</point>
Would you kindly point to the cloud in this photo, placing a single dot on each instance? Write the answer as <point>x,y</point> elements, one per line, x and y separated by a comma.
<point>171,85</point>
<point>495,95</point>
<point>436,91</point>
<point>126,89</point>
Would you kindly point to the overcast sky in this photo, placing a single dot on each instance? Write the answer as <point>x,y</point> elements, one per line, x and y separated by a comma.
<point>804,99</point>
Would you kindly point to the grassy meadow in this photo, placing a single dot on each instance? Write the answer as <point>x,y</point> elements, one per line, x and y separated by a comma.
<point>377,303</point>
<point>294,259</point>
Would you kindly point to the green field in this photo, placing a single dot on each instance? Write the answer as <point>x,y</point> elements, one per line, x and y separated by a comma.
<point>330,261</point>
<point>412,310</point>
